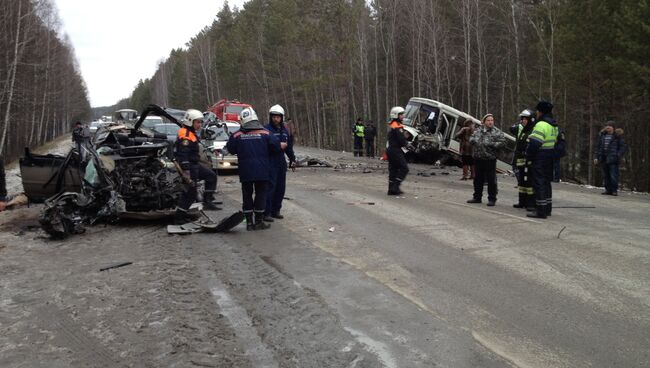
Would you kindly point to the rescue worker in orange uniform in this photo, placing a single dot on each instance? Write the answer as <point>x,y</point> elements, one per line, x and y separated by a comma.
<point>187,156</point>
<point>397,166</point>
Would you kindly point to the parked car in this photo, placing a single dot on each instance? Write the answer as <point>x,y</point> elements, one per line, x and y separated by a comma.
<point>95,125</point>
<point>170,130</point>
<point>151,121</point>
<point>214,136</point>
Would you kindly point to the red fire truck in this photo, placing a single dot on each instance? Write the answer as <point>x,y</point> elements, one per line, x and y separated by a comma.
<point>228,110</point>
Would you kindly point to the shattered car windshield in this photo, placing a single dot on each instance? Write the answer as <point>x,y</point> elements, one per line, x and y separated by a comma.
<point>220,132</point>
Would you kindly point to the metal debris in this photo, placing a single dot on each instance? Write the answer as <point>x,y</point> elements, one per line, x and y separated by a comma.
<point>115,266</point>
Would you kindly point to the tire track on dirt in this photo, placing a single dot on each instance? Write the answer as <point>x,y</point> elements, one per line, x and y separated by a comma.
<point>291,320</point>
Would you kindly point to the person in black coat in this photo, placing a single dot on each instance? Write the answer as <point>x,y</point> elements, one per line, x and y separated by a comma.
<point>369,136</point>
<point>254,146</point>
<point>611,147</point>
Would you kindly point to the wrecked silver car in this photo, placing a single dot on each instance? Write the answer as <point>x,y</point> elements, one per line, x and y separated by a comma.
<point>127,172</point>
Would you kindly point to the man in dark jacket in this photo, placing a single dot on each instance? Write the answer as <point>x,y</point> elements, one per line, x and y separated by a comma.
<point>486,142</point>
<point>541,151</point>
<point>611,147</point>
<point>187,156</point>
<point>278,179</point>
<point>254,147</point>
<point>397,165</point>
<point>3,186</point>
<point>369,135</point>
<point>78,137</point>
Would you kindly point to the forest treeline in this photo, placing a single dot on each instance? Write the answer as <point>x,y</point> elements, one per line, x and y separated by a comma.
<point>330,61</point>
<point>42,92</point>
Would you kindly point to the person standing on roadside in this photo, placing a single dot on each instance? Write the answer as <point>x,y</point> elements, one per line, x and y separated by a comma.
<point>486,140</point>
<point>466,150</point>
<point>254,147</point>
<point>369,136</point>
<point>358,134</point>
<point>78,138</point>
<point>278,180</point>
<point>611,147</point>
<point>541,151</point>
<point>397,165</point>
<point>3,186</point>
<point>523,171</point>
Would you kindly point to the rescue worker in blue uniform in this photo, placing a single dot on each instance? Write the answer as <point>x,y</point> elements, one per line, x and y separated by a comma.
<point>278,180</point>
<point>541,151</point>
<point>254,146</point>
<point>521,165</point>
<point>187,156</point>
<point>397,165</point>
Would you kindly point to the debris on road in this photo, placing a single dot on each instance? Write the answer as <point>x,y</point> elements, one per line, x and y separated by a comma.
<point>312,162</point>
<point>331,229</point>
<point>206,224</point>
<point>115,266</point>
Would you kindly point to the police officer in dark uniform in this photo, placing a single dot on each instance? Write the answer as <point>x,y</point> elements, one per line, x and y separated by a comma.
<point>397,166</point>
<point>187,156</point>
<point>541,151</point>
<point>278,180</point>
<point>254,146</point>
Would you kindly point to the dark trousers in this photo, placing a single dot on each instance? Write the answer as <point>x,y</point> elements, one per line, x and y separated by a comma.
<point>358,146</point>
<point>257,204</point>
<point>486,172</point>
<point>542,177</point>
<point>370,147</point>
<point>525,184</point>
<point>557,170</point>
<point>397,166</point>
<point>610,177</point>
<point>198,173</point>
<point>3,183</point>
<point>276,189</point>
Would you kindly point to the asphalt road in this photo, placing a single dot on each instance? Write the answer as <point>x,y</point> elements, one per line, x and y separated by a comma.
<point>350,278</point>
<point>428,280</point>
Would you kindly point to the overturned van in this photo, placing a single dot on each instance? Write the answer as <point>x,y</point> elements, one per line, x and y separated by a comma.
<point>432,127</point>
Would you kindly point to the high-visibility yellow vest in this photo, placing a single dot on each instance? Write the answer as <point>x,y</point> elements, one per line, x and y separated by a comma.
<point>359,130</point>
<point>546,134</point>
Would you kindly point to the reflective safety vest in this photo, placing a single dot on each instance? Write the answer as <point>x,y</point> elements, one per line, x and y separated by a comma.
<point>546,134</point>
<point>359,130</point>
<point>184,133</point>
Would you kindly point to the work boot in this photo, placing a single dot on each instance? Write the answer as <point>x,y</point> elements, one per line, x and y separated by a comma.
<point>181,217</point>
<point>491,203</point>
<point>250,225</point>
<point>522,201</point>
<point>210,206</point>
<point>540,213</point>
<point>277,216</point>
<point>549,208</point>
<point>392,188</point>
<point>259,222</point>
<point>268,218</point>
<point>474,200</point>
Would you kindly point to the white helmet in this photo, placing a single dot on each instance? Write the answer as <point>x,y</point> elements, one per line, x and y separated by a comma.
<point>395,111</point>
<point>190,116</point>
<point>276,110</point>
<point>246,115</point>
<point>526,114</point>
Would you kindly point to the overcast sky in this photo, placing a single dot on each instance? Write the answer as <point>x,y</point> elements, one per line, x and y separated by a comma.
<point>119,42</point>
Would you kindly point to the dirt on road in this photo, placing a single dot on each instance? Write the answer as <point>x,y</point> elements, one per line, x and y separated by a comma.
<point>350,278</point>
